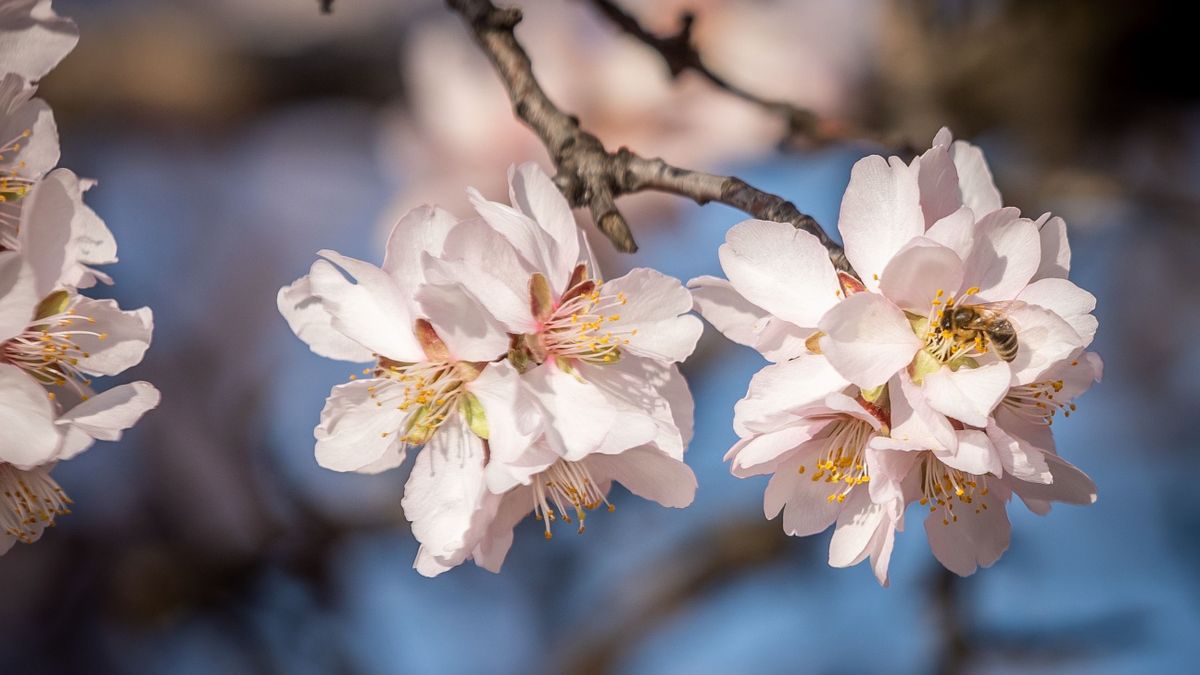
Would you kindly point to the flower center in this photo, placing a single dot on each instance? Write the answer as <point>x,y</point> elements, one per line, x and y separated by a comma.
<point>430,390</point>
<point>47,349</point>
<point>581,327</point>
<point>564,487</point>
<point>943,486</point>
<point>31,501</point>
<point>942,342</point>
<point>840,463</point>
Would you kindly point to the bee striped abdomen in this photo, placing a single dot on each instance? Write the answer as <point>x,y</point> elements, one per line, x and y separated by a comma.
<point>1003,338</point>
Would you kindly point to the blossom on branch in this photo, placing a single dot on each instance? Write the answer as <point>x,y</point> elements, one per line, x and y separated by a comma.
<point>53,340</point>
<point>931,374</point>
<point>528,382</point>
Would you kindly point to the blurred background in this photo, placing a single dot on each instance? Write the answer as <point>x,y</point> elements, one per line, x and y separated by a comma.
<point>232,139</point>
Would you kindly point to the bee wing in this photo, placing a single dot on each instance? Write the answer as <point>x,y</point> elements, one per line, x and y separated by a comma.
<point>992,311</point>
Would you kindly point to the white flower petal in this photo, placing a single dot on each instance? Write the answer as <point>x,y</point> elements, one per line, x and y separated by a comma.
<point>27,417</point>
<point>744,322</point>
<point>975,180</point>
<point>45,234</point>
<point>582,419</point>
<point>967,394</point>
<point>493,546</point>
<point>977,539</point>
<point>1056,250</point>
<point>513,423</point>
<point>857,527</point>
<point>1067,300</point>
<point>1019,458</point>
<point>974,455</point>
<point>760,453</point>
<point>446,489</point>
<point>867,339</point>
<point>1005,254</point>
<point>355,433</point>
<point>915,424</point>
<point>809,509</point>
<point>126,335</point>
<point>528,239</point>
<point>422,230</point>
<point>779,390</point>
<point>784,270</point>
<point>881,212</point>
<point>956,232</point>
<point>21,113</point>
<point>18,295</point>
<point>1043,339</point>
<point>534,194</point>
<point>922,268</point>
<point>33,38</point>
<point>469,332</point>
<point>486,265</point>
<point>107,414</point>
<point>647,473</point>
<point>372,312</point>
<point>655,319</point>
<point>1068,485</point>
<point>308,319</point>
<point>651,389</point>
<point>938,180</point>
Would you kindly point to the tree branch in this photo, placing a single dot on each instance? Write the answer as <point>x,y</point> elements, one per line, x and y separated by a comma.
<point>591,176</point>
<point>680,55</point>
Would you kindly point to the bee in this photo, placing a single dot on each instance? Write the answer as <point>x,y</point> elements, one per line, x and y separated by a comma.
<point>986,321</point>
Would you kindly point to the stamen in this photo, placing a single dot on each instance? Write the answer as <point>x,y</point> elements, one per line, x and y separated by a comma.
<point>47,349</point>
<point>1036,402</point>
<point>429,391</point>
<point>841,462</point>
<point>31,501</point>
<point>562,487</point>
<point>582,327</point>
<point>943,486</point>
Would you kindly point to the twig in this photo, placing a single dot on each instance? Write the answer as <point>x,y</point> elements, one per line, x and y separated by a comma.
<point>680,55</point>
<point>591,176</point>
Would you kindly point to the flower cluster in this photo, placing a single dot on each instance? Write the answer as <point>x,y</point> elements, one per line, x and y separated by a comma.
<point>528,383</point>
<point>53,340</point>
<point>930,375</point>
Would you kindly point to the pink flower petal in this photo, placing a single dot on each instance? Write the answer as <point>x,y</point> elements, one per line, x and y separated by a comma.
<point>781,269</point>
<point>881,212</point>
<point>867,339</point>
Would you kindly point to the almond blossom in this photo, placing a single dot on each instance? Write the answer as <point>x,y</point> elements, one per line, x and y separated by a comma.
<point>53,341</point>
<point>960,420</point>
<point>431,349</point>
<point>529,384</point>
<point>596,358</point>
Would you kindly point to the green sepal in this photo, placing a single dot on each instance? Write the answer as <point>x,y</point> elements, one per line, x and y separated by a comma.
<point>923,364</point>
<point>473,412</point>
<point>55,303</point>
<point>873,395</point>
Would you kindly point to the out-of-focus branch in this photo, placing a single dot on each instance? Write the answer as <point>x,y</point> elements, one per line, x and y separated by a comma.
<point>591,176</point>
<point>701,564</point>
<point>326,6</point>
<point>680,55</point>
<point>954,647</point>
